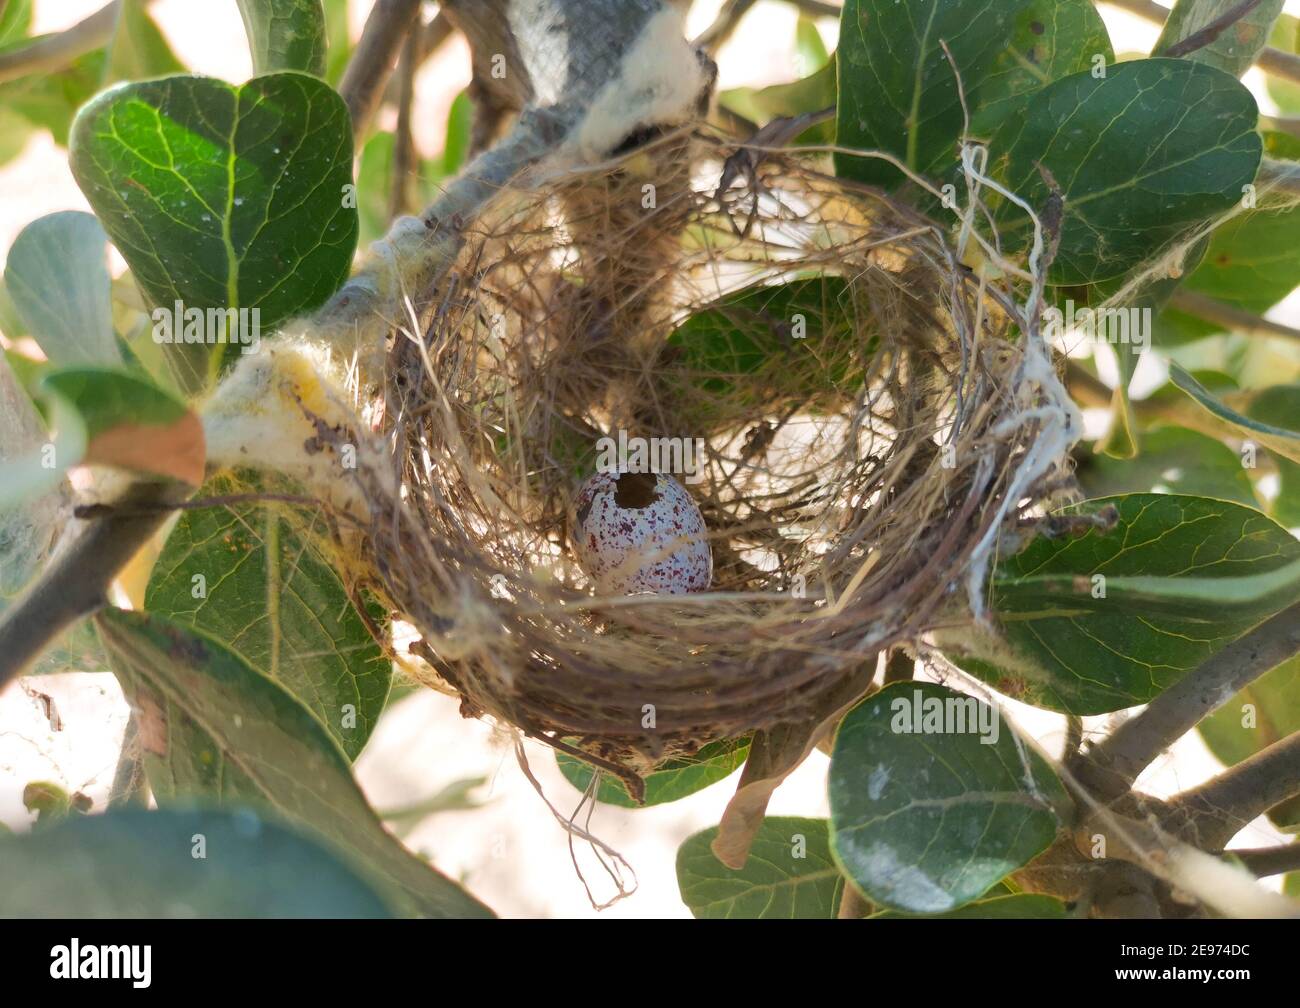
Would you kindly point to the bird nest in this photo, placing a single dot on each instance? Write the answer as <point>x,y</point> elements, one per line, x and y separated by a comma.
<point>871,418</point>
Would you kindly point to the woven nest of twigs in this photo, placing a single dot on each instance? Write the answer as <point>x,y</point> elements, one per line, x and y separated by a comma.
<point>850,478</point>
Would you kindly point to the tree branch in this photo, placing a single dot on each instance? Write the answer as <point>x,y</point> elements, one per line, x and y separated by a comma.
<point>1275,61</point>
<point>76,582</point>
<point>1265,861</point>
<point>54,52</point>
<point>1110,768</point>
<point>1218,884</point>
<point>1226,315</point>
<point>1213,813</point>
<point>404,156</point>
<point>387,25</point>
<point>724,25</point>
<point>1203,37</point>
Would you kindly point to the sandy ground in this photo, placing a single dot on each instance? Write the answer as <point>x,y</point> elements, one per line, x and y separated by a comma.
<point>510,850</point>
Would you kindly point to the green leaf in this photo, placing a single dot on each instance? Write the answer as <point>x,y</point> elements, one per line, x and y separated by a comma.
<point>285,35</point>
<point>750,338</point>
<point>338,49</point>
<point>1266,711</point>
<point>51,100</point>
<point>1284,441</point>
<point>1251,261</point>
<point>809,94</point>
<point>1279,406</point>
<point>898,90</point>
<point>1141,155</point>
<point>28,528</point>
<point>57,276</point>
<point>789,875</point>
<point>189,688</point>
<point>269,595</point>
<point>1235,48</point>
<point>1019,906</point>
<point>671,780</point>
<point>15,20</point>
<point>221,196</point>
<point>460,127</point>
<point>132,863</point>
<point>1050,39</point>
<point>1183,576</point>
<point>927,813</point>
<point>138,49</point>
<point>810,51</point>
<point>1172,460</point>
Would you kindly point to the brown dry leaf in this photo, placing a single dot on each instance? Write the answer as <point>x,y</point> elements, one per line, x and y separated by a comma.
<point>176,450</point>
<point>773,756</point>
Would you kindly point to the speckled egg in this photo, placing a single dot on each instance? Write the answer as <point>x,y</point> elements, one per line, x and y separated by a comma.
<point>640,532</point>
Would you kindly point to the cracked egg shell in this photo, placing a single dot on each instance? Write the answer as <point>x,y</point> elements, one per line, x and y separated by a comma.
<point>640,532</point>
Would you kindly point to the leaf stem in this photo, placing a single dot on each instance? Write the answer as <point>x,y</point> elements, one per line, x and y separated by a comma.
<point>1229,316</point>
<point>54,52</point>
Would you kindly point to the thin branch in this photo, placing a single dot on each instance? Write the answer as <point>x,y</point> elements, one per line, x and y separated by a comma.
<point>1205,36</point>
<point>1226,888</point>
<point>1213,813</point>
<point>1228,316</point>
<point>404,159</point>
<point>433,35</point>
<point>1274,61</point>
<point>1281,124</point>
<point>54,52</point>
<point>388,24</point>
<point>817,8</point>
<point>76,582</point>
<point>1265,861</point>
<point>724,25</point>
<point>1110,768</point>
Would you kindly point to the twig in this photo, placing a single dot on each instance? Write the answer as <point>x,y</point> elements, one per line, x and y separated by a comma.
<point>1281,124</point>
<point>433,35</point>
<point>77,580</point>
<point>54,52</point>
<point>1265,861</point>
<point>1275,61</point>
<point>403,145</point>
<point>389,22</point>
<point>1204,36</point>
<point>724,25</point>
<point>1235,319</point>
<point>1110,768</point>
<point>817,8</point>
<point>1226,888</point>
<point>1212,814</point>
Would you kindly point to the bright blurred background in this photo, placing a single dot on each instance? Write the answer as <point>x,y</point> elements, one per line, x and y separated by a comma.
<point>508,849</point>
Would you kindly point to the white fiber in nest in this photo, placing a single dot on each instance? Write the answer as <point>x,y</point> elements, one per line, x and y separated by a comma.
<point>259,418</point>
